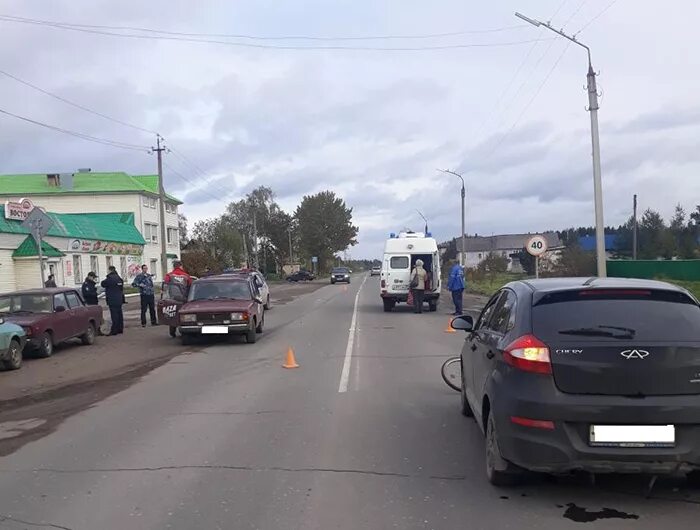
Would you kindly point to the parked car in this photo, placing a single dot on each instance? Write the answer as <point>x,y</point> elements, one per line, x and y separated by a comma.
<point>50,316</point>
<point>376,270</point>
<point>172,297</point>
<point>340,274</point>
<point>228,304</point>
<point>600,375</point>
<point>12,341</point>
<point>259,281</point>
<point>301,276</point>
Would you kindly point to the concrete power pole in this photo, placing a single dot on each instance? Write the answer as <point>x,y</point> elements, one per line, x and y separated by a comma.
<point>161,201</point>
<point>634,227</point>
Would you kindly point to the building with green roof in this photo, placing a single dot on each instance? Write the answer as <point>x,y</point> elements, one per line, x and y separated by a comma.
<point>96,201</point>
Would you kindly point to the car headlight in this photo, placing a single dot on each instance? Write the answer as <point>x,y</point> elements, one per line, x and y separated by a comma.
<point>237,316</point>
<point>346,275</point>
<point>188,318</point>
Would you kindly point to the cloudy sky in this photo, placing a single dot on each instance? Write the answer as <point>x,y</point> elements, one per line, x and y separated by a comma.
<point>372,125</point>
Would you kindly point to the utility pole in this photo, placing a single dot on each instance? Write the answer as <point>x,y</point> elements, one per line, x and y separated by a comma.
<point>161,201</point>
<point>245,251</point>
<point>291,255</point>
<point>426,222</point>
<point>595,144</point>
<point>255,241</point>
<point>463,253</point>
<point>634,227</point>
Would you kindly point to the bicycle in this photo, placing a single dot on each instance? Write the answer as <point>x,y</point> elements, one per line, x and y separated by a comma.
<point>452,373</point>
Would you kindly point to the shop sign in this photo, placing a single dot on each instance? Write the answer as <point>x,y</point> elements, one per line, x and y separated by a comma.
<point>18,210</point>
<point>103,247</point>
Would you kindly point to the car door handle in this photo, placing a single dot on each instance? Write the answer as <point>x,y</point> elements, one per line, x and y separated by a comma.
<point>490,354</point>
<point>473,347</point>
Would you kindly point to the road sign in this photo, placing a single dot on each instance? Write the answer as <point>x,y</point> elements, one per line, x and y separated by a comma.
<point>536,246</point>
<point>38,223</point>
<point>314,259</point>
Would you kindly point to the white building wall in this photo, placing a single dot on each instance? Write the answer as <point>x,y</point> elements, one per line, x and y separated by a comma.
<point>7,271</point>
<point>27,274</point>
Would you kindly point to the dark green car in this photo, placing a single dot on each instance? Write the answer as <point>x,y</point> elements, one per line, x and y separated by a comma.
<point>12,341</point>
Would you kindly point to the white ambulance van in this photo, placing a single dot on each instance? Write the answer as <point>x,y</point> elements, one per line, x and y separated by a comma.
<point>400,255</point>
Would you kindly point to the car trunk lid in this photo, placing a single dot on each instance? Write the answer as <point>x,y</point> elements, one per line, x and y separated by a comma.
<point>621,342</point>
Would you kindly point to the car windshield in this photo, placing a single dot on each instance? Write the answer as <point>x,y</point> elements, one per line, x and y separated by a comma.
<point>25,303</point>
<point>220,290</point>
<point>340,270</point>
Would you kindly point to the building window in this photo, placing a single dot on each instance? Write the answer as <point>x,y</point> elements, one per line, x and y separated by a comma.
<point>146,201</point>
<point>154,268</point>
<point>150,232</point>
<point>170,208</point>
<point>94,265</point>
<point>77,269</point>
<point>153,203</point>
<point>122,266</point>
<point>172,236</point>
<point>110,261</point>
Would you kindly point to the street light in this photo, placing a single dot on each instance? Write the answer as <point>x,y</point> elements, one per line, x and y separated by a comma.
<point>595,141</point>
<point>463,253</point>
<point>424,219</point>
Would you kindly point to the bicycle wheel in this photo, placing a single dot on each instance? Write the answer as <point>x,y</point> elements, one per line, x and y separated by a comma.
<point>451,373</point>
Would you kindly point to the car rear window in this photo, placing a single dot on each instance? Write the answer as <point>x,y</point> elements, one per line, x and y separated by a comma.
<point>399,262</point>
<point>642,315</point>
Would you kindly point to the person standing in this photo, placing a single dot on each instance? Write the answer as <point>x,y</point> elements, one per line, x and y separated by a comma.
<point>51,282</point>
<point>418,278</point>
<point>89,289</point>
<point>144,282</point>
<point>114,294</point>
<point>178,276</point>
<point>455,284</point>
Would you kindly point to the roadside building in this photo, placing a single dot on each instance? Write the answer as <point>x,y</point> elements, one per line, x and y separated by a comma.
<point>507,246</point>
<point>75,245</point>
<point>86,191</point>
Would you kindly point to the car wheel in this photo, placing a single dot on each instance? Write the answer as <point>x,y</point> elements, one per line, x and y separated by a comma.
<point>466,408</point>
<point>259,329</point>
<point>45,346</point>
<point>186,339</point>
<point>88,337</point>
<point>388,305</point>
<point>173,331</point>
<point>499,471</point>
<point>251,335</point>
<point>14,356</point>
<point>267,305</point>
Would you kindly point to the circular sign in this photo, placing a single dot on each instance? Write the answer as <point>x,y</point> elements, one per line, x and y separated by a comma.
<point>536,245</point>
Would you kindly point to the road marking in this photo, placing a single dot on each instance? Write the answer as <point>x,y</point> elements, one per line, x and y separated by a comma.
<point>345,374</point>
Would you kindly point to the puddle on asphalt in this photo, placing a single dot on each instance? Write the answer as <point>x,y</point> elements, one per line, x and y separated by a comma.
<point>11,429</point>
<point>579,514</point>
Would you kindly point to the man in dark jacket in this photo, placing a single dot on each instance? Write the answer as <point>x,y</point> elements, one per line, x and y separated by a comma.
<point>51,282</point>
<point>89,289</point>
<point>114,294</point>
<point>144,282</point>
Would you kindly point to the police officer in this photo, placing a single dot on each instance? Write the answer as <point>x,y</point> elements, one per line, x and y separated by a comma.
<point>114,294</point>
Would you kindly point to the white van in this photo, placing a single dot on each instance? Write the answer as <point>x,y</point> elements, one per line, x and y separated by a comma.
<point>400,255</point>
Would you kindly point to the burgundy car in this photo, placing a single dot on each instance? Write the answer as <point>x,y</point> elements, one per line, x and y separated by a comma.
<point>222,305</point>
<point>51,316</point>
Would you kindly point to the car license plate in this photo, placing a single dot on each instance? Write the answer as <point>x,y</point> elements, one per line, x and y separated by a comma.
<point>400,287</point>
<point>632,435</point>
<point>214,330</point>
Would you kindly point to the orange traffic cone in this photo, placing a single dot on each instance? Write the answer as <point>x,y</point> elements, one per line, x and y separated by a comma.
<point>449,328</point>
<point>290,361</point>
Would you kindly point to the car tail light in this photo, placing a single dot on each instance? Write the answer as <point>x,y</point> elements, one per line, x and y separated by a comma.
<point>28,331</point>
<point>528,353</point>
<point>383,284</point>
<point>536,424</point>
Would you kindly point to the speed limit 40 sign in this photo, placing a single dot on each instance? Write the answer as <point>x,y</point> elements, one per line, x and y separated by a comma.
<point>536,246</point>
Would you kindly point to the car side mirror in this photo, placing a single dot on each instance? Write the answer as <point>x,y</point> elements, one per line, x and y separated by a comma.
<point>464,322</point>
<point>60,309</point>
<point>258,300</point>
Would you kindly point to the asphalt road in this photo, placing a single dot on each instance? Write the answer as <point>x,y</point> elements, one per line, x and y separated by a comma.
<point>225,438</point>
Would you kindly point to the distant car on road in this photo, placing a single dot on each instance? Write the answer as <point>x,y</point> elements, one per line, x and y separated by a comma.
<point>301,276</point>
<point>340,274</point>
<point>50,316</point>
<point>12,340</point>
<point>600,375</point>
<point>376,270</point>
<point>228,304</point>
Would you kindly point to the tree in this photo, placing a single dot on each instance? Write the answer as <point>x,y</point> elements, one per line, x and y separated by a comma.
<point>574,261</point>
<point>324,226</point>
<point>221,239</point>
<point>682,234</point>
<point>527,261</point>
<point>182,229</point>
<point>655,240</point>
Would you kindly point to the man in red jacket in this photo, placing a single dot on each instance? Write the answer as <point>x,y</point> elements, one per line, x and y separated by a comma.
<point>179,277</point>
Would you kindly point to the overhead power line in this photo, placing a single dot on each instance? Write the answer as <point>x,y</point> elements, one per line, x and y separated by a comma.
<point>76,105</point>
<point>600,14</point>
<point>262,37</point>
<point>267,46</point>
<point>83,136</point>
